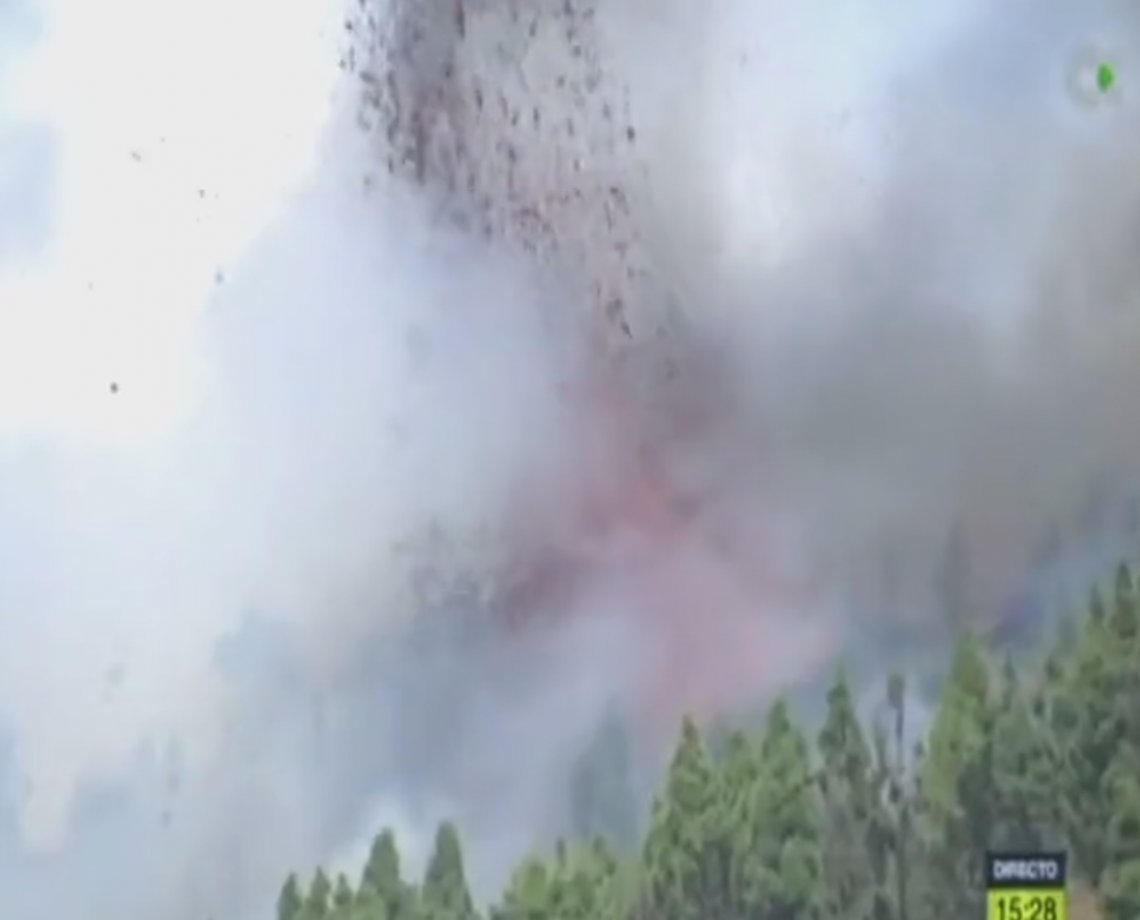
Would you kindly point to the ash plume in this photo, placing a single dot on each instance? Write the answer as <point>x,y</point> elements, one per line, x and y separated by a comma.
<point>631,358</point>
<point>891,233</point>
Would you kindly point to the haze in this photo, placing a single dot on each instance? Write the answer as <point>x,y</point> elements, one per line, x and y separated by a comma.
<point>251,384</point>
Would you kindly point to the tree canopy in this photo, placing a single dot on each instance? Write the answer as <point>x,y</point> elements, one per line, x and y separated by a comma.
<point>769,826</point>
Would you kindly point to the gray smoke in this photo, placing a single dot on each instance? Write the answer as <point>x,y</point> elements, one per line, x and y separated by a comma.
<point>862,273</point>
<point>905,234</point>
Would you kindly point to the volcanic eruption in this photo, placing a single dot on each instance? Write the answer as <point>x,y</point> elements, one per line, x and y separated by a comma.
<point>510,117</point>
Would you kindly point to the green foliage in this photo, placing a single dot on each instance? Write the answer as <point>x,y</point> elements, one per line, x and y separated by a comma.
<point>1096,713</point>
<point>777,857</point>
<point>686,850</point>
<point>290,900</point>
<point>317,904</point>
<point>855,845</point>
<point>444,895</point>
<point>368,905</point>
<point>342,900</point>
<point>858,829</point>
<point>342,893</point>
<point>529,896</point>
<point>381,878</point>
<point>1023,773</point>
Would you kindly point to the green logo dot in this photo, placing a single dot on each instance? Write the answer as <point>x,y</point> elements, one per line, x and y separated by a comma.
<point>1105,77</point>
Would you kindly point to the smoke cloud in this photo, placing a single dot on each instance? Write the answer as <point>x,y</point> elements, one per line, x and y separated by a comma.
<point>368,435</point>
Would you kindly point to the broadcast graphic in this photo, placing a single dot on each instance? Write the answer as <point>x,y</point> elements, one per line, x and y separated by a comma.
<point>1026,886</point>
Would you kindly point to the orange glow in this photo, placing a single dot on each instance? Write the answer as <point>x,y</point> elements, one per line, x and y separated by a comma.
<point>728,624</point>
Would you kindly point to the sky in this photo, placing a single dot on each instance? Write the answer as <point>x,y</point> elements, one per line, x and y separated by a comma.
<point>249,381</point>
<point>149,173</point>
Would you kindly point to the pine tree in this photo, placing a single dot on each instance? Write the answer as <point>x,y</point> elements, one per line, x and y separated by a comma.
<point>1121,880</point>
<point>382,870</point>
<point>382,875</point>
<point>851,807</point>
<point>317,906</point>
<point>742,774</point>
<point>342,899</point>
<point>368,905</point>
<point>1087,730</point>
<point>1124,627</point>
<point>584,883</point>
<point>1024,773</point>
<point>779,875</point>
<point>290,900</point>
<point>957,786</point>
<point>893,833</point>
<point>685,859</point>
<point>889,843</point>
<point>444,894</point>
<point>1125,619</point>
<point>528,895</point>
